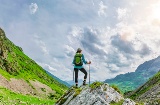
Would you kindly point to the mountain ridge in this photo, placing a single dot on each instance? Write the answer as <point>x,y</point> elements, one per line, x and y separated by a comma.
<point>133,80</point>
<point>148,92</point>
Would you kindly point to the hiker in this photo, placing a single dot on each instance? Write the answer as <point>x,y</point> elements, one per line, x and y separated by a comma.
<point>78,65</point>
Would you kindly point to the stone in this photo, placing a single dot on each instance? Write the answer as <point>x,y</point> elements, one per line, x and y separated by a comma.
<point>128,102</point>
<point>102,95</point>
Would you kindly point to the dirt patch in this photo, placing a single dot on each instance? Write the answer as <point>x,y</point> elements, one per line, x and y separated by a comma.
<point>42,89</point>
<point>21,86</point>
<point>16,85</point>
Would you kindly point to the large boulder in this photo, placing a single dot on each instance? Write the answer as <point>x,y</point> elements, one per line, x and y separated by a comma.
<point>100,95</point>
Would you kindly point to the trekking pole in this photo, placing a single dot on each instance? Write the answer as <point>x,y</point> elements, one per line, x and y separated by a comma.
<point>89,75</point>
<point>73,75</point>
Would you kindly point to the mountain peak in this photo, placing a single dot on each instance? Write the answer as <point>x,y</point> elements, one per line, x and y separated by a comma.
<point>97,94</point>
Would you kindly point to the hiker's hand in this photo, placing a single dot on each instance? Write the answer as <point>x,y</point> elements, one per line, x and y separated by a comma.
<point>89,62</point>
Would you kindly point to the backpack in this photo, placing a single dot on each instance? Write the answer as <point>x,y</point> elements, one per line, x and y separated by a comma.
<point>78,59</point>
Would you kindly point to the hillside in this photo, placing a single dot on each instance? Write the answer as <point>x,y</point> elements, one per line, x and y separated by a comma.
<point>149,92</point>
<point>132,80</point>
<point>20,74</point>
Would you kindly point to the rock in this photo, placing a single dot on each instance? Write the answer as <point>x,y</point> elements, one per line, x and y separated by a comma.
<point>128,102</point>
<point>101,95</point>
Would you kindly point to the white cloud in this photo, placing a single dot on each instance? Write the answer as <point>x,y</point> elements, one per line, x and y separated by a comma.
<point>69,51</point>
<point>47,67</point>
<point>122,13</point>
<point>102,9</point>
<point>33,7</point>
<point>41,44</point>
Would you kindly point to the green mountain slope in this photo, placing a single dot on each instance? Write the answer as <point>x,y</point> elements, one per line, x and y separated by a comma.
<point>132,80</point>
<point>149,92</point>
<point>15,64</point>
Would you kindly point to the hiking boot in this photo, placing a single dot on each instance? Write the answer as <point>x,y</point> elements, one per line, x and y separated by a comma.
<point>76,85</point>
<point>84,82</point>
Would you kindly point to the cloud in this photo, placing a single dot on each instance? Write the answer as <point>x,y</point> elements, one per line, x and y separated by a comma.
<point>69,51</point>
<point>122,45</point>
<point>102,9</point>
<point>47,67</point>
<point>33,7</point>
<point>122,13</point>
<point>41,44</point>
<point>145,50</point>
<point>127,47</point>
<point>115,36</point>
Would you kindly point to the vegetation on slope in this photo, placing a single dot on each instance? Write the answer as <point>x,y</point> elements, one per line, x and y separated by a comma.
<point>147,86</point>
<point>8,97</point>
<point>15,64</point>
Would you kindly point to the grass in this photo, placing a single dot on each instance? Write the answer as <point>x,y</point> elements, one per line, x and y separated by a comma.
<point>117,89</point>
<point>8,97</point>
<point>147,86</point>
<point>117,103</point>
<point>77,92</point>
<point>95,84</point>
<point>20,66</point>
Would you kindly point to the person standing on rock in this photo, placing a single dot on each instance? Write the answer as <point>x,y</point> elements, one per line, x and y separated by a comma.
<point>78,65</point>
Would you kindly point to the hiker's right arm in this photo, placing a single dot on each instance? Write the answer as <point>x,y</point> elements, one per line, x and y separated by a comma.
<point>86,62</point>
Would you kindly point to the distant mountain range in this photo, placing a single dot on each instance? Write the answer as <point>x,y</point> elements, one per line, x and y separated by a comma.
<point>132,80</point>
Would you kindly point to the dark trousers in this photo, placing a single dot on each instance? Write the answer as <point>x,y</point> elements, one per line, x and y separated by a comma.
<point>76,74</point>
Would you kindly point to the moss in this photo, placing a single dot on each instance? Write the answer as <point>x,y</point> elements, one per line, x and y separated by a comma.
<point>77,92</point>
<point>63,100</point>
<point>139,103</point>
<point>96,84</point>
<point>117,103</point>
<point>43,89</point>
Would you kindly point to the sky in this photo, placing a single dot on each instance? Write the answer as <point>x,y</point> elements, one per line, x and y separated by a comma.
<point>115,35</point>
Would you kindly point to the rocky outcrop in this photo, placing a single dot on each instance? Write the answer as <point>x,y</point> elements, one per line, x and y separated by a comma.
<point>85,95</point>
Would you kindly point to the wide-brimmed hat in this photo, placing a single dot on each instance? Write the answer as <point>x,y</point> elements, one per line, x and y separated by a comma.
<point>79,49</point>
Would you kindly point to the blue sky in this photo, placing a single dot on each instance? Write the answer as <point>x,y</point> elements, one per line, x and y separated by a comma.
<point>116,36</point>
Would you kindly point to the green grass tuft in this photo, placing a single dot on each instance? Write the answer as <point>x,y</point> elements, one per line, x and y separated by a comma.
<point>117,103</point>
<point>96,84</point>
<point>117,89</point>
